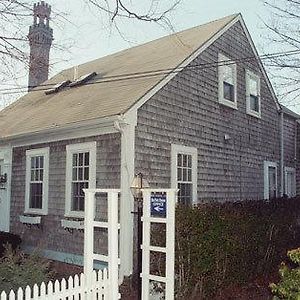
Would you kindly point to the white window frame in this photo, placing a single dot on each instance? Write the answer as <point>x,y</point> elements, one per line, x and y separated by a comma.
<point>175,150</point>
<point>251,76</point>
<point>72,149</point>
<point>268,164</point>
<point>286,171</point>
<point>221,60</point>
<point>29,154</point>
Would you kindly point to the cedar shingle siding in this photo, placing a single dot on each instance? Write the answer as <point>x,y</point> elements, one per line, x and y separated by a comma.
<point>186,111</point>
<point>51,235</point>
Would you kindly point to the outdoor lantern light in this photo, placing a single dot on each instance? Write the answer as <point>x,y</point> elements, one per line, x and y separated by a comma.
<point>138,183</point>
<point>136,187</point>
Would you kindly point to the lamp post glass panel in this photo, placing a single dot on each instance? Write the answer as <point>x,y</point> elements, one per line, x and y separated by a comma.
<point>137,185</point>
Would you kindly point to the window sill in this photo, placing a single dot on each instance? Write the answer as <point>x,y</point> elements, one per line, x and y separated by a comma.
<point>254,114</point>
<point>72,224</point>
<point>32,220</point>
<point>228,103</point>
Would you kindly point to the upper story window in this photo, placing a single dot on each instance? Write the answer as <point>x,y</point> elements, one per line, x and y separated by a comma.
<point>80,174</point>
<point>37,176</point>
<point>184,173</point>
<point>227,81</point>
<point>253,94</point>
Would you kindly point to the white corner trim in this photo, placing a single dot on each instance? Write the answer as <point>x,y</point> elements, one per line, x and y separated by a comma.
<point>268,164</point>
<point>45,152</point>
<point>33,220</point>
<point>248,76</point>
<point>175,149</point>
<point>72,224</point>
<point>90,147</point>
<point>221,59</point>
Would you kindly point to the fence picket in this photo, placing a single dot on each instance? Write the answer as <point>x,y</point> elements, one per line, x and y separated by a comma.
<point>3,296</point>
<point>50,289</point>
<point>12,295</point>
<point>27,293</point>
<point>35,291</point>
<point>20,294</point>
<point>56,287</point>
<point>76,287</point>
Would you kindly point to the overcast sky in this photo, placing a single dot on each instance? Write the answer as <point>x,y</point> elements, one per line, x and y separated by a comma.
<point>88,35</point>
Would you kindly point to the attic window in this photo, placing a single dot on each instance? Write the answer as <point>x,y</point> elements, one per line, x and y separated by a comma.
<point>83,79</point>
<point>56,88</point>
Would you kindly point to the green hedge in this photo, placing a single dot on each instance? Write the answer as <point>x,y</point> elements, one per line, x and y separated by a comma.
<point>222,244</point>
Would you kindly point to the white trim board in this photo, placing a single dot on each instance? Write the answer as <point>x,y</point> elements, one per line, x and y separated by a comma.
<point>90,147</point>
<point>175,149</point>
<point>45,153</point>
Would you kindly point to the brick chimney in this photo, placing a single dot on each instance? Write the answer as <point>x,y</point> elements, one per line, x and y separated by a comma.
<point>40,39</point>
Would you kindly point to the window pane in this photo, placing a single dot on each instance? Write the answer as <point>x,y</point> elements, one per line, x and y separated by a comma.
<point>228,73</point>
<point>41,162</point>
<point>41,175</point>
<point>36,195</point>
<point>184,162</point>
<point>189,161</point>
<point>254,104</point>
<point>78,195</point>
<point>184,174</point>
<point>32,162</point>
<point>87,159</point>
<point>86,173</point>
<point>80,173</point>
<point>179,160</point>
<point>185,193</point>
<point>228,91</point>
<point>75,159</point>
<point>190,175</point>
<point>74,174</point>
<point>179,174</point>
<point>80,160</point>
<point>253,87</point>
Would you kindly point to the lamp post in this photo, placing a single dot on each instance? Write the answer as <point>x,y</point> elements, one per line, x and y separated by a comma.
<point>136,187</point>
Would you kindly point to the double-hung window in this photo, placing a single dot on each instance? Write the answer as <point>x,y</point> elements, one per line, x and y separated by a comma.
<point>253,94</point>
<point>270,180</point>
<point>184,173</point>
<point>227,81</point>
<point>290,181</point>
<point>37,176</point>
<point>80,174</point>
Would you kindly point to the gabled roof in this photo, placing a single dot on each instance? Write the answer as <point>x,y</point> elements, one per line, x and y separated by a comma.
<point>105,94</point>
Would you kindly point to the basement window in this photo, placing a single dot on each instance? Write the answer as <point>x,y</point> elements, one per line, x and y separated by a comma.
<point>56,88</point>
<point>83,79</point>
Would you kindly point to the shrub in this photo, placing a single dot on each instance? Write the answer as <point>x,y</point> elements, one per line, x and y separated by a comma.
<point>8,238</point>
<point>218,245</point>
<point>19,270</point>
<point>289,286</point>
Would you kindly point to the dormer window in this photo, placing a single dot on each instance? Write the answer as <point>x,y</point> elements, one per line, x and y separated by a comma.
<point>83,79</point>
<point>57,87</point>
<point>227,81</point>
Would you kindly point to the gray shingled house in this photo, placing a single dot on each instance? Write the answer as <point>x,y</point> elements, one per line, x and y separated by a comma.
<point>194,110</point>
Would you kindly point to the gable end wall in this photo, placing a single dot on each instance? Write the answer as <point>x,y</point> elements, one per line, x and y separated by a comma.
<point>186,111</point>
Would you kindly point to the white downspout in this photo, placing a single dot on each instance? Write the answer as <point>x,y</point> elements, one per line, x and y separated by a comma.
<point>126,126</point>
<point>281,154</point>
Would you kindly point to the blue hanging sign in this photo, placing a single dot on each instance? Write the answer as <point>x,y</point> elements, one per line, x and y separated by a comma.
<point>158,204</point>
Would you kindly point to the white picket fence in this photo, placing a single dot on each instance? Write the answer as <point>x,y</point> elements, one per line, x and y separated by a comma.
<point>75,288</point>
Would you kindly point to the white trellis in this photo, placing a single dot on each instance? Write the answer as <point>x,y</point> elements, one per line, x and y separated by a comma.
<point>113,226</point>
<point>169,219</point>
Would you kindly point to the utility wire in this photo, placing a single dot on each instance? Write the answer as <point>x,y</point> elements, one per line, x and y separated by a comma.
<point>153,73</point>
